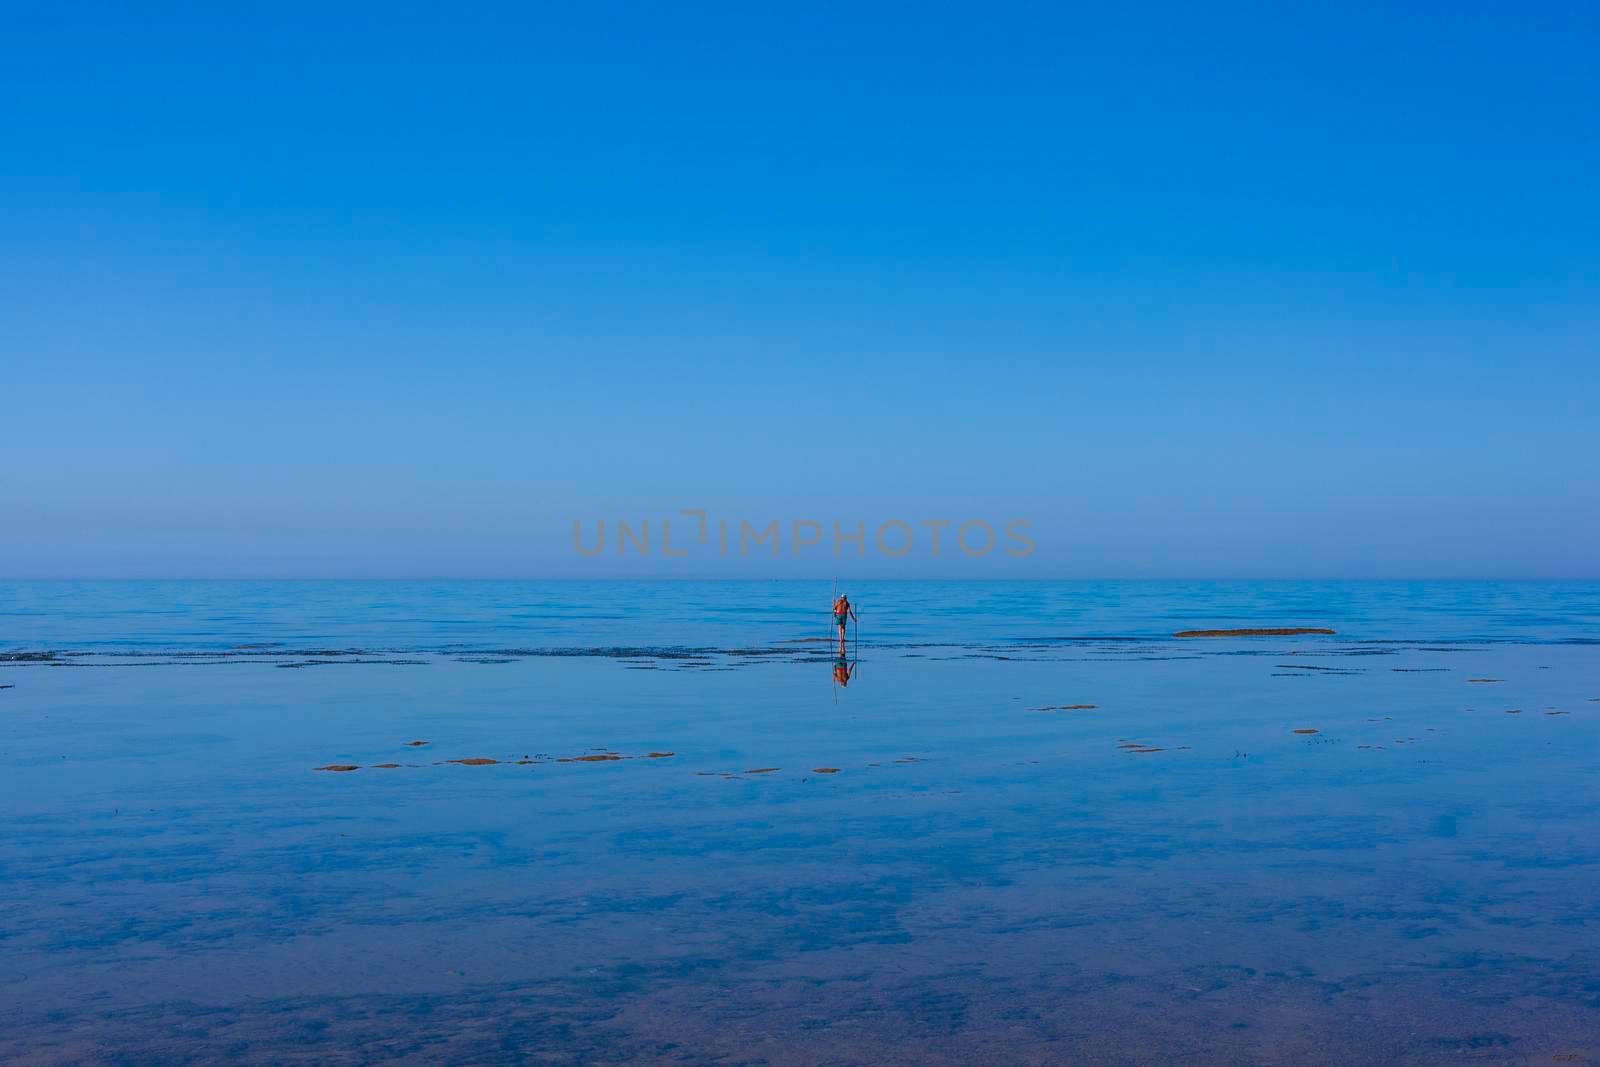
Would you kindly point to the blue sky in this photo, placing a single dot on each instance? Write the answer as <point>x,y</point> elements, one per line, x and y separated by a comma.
<point>1198,290</point>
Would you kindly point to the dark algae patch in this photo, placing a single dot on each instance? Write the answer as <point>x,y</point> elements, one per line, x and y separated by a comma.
<point>1307,730</point>
<point>485,761</point>
<point>824,770</point>
<point>763,770</point>
<point>415,744</point>
<point>1313,667</point>
<point>1273,631</point>
<point>1068,707</point>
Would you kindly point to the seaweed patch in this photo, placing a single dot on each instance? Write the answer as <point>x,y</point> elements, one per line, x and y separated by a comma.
<point>1273,631</point>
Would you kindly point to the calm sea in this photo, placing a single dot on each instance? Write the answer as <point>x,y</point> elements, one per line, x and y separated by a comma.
<point>575,822</point>
<point>554,614</point>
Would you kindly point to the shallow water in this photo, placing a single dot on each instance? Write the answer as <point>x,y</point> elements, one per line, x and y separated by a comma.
<point>1175,873</point>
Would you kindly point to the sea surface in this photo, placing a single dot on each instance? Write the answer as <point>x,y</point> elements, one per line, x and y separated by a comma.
<point>602,822</point>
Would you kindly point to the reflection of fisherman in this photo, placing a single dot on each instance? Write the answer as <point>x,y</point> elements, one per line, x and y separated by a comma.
<point>842,670</point>
<point>842,614</point>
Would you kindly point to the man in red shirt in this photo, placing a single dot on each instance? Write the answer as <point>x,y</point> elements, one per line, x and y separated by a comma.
<point>843,612</point>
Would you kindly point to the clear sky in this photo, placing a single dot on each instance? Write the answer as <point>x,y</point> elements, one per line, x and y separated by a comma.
<point>1199,290</point>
